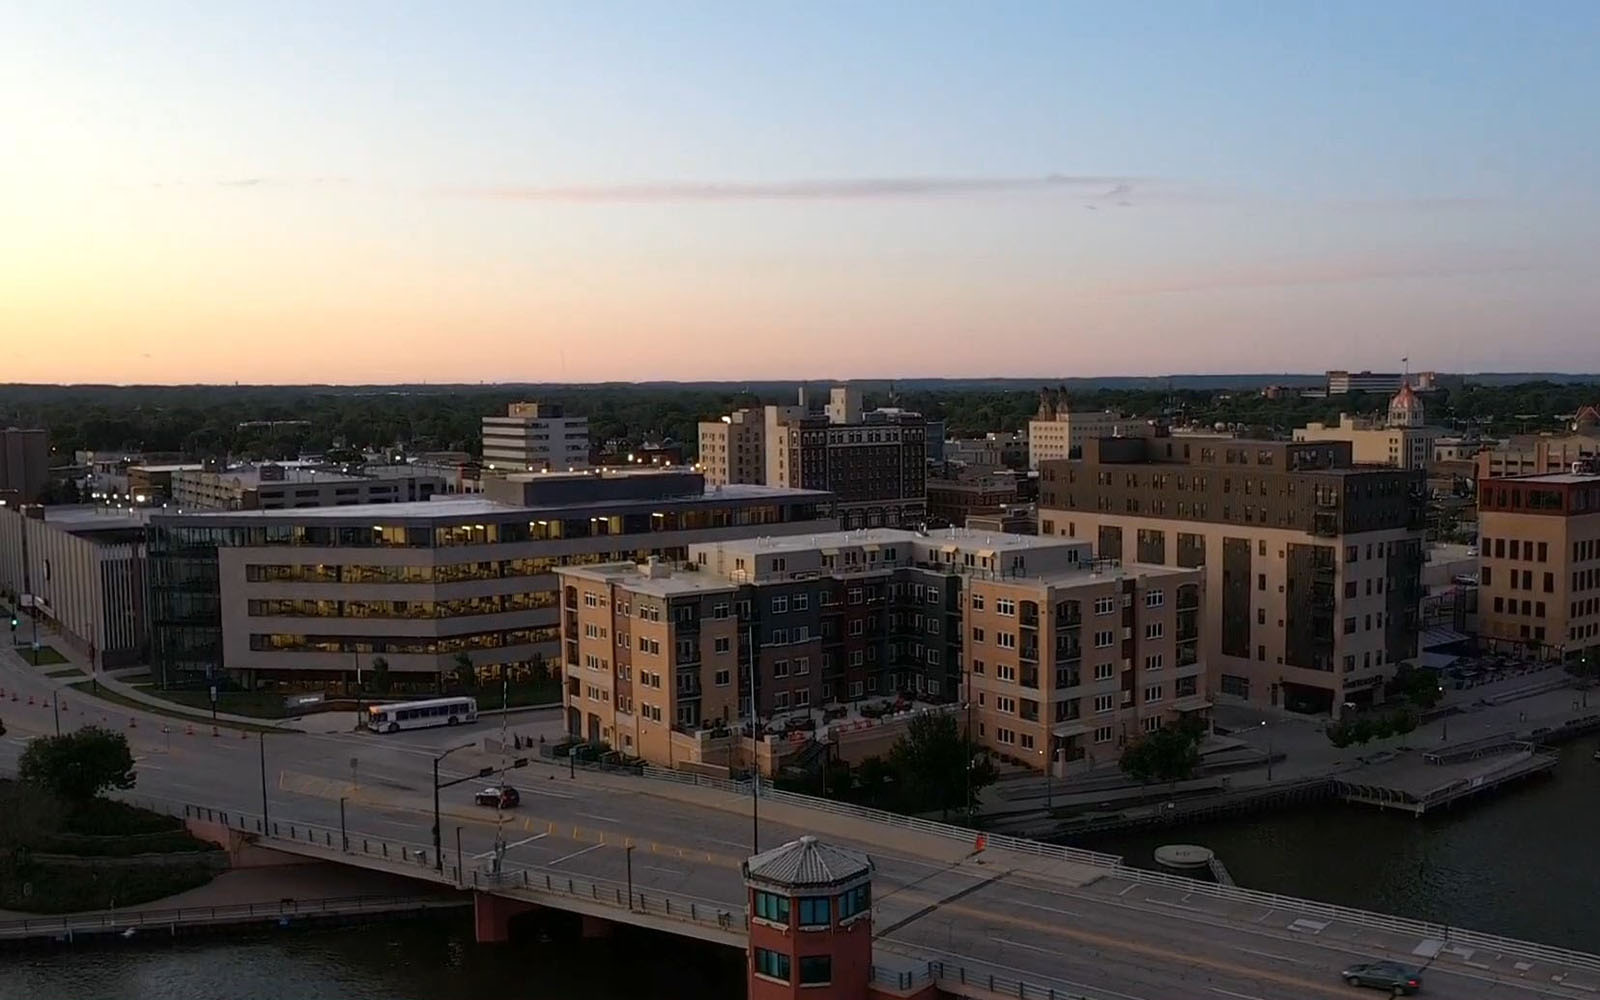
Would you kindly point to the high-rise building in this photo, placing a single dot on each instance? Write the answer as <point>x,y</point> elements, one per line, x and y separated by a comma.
<point>24,464</point>
<point>1063,655</point>
<point>1312,563</point>
<point>1401,439</point>
<point>308,597</point>
<point>535,437</point>
<point>733,449</point>
<point>1539,564</point>
<point>873,461</point>
<point>1058,432</point>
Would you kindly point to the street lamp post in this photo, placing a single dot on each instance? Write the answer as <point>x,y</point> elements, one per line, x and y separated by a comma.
<point>438,859</point>
<point>261,743</point>
<point>55,705</point>
<point>1268,730</point>
<point>344,838</point>
<point>628,853</point>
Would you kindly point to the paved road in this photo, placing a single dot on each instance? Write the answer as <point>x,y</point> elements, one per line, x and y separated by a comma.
<point>1046,921</point>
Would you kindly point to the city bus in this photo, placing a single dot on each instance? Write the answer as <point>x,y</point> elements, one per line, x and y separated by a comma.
<point>395,716</point>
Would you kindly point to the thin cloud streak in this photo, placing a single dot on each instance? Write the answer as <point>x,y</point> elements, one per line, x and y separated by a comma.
<point>1336,273</point>
<point>839,189</point>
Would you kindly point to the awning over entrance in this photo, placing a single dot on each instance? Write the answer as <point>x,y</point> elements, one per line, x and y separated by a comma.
<point>1067,730</point>
<point>1192,703</point>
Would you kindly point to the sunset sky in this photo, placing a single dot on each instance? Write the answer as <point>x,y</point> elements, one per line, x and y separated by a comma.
<point>386,192</point>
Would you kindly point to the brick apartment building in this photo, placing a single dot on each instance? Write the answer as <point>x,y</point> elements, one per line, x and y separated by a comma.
<point>846,616</point>
<point>1312,564</point>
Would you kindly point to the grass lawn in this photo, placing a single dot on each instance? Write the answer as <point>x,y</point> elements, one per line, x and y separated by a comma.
<point>65,672</point>
<point>256,704</point>
<point>116,698</point>
<point>46,655</point>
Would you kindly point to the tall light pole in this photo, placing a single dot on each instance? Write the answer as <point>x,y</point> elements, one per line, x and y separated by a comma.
<point>438,860</point>
<point>755,760</point>
<point>1268,730</point>
<point>261,743</point>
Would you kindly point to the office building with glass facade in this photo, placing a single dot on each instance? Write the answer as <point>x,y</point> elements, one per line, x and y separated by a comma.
<point>306,598</point>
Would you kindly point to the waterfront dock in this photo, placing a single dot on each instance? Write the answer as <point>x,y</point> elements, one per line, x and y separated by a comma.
<point>1419,782</point>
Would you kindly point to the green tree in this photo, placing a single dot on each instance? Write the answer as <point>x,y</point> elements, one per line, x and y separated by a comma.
<point>935,765</point>
<point>1170,754</point>
<point>1417,685</point>
<point>1405,721</point>
<point>78,766</point>
<point>378,677</point>
<point>1339,734</point>
<point>1361,732</point>
<point>465,674</point>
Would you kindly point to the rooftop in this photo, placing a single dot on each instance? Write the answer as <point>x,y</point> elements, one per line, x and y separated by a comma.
<point>456,507</point>
<point>669,581</point>
<point>807,863</point>
<point>1556,478</point>
<point>962,537</point>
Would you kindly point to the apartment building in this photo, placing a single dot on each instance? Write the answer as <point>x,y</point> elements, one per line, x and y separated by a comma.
<point>1058,432</point>
<point>535,437</point>
<point>733,449</point>
<point>1402,439</point>
<point>271,486</point>
<point>873,461</point>
<point>1539,572</point>
<point>1312,563</point>
<point>840,617</point>
<point>1067,667</point>
<point>24,464</point>
<point>303,598</point>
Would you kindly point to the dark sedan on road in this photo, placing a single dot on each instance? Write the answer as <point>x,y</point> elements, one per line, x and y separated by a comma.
<point>503,797</point>
<point>1399,980</point>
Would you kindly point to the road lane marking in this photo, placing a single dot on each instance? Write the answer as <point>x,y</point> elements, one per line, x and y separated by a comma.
<point>574,854</point>
<point>669,871</point>
<point>1130,887</point>
<point>1230,993</point>
<point>1275,958</point>
<point>1097,990</point>
<point>1047,909</point>
<point>518,843</point>
<point>603,819</point>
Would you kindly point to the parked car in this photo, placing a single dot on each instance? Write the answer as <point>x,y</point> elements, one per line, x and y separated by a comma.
<point>1399,980</point>
<point>501,797</point>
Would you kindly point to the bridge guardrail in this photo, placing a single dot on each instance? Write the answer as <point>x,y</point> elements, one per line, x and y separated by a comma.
<point>419,859</point>
<point>952,976</point>
<point>1367,918</point>
<point>317,835</point>
<point>110,920</point>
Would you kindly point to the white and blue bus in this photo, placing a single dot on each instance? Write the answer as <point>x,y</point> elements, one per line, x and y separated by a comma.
<point>395,716</point>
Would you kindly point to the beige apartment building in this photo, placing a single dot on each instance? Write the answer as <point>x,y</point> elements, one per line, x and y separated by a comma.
<point>1312,564</point>
<point>1066,668</point>
<point>733,449</point>
<point>1402,439</point>
<point>271,486</point>
<point>1064,658</point>
<point>1539,565</point>
<point>1058,432</point>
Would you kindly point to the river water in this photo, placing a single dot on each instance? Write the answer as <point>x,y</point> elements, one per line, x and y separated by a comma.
<point>1524,862</point>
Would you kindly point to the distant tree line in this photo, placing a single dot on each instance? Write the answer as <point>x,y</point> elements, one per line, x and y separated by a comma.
<point>234,420</point>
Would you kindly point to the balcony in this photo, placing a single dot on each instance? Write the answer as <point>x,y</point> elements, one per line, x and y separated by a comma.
<point>1028,678</point>
<point>1029,653</point>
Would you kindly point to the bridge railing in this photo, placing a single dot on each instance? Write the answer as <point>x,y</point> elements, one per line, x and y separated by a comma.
<point>948,831</point>
<point>112,920</point>
<point>1368,918</point>
<point>950,975</point>
<point>459,871</point>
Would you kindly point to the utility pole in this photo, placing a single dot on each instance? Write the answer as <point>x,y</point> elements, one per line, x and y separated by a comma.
<point>27,585</point>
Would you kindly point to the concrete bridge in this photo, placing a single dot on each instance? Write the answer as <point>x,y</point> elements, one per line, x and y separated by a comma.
<point>661,851</point>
